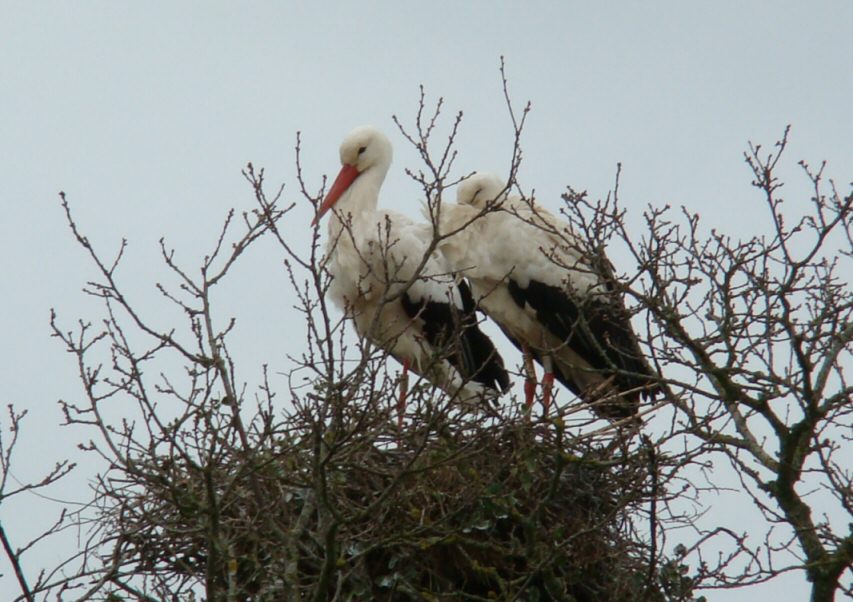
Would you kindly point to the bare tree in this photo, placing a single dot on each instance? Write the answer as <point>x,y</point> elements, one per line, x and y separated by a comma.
<point>754,336</point>
<point>10,488</point>
<point>216,488</point>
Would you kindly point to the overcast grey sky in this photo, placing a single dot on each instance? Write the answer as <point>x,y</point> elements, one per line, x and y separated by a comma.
<point>145,113</point>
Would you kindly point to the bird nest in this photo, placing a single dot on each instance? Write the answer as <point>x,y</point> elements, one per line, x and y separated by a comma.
<point>502,511</point>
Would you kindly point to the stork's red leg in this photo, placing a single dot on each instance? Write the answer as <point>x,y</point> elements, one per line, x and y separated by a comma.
<point>547,383</point>
<point>529,378</point>
<point>547,386</point>
<point>404,391</point>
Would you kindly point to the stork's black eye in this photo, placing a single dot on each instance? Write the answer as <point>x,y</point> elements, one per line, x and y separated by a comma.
<point>362,149</point>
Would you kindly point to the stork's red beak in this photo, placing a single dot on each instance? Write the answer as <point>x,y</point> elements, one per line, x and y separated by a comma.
<point>345,177</point>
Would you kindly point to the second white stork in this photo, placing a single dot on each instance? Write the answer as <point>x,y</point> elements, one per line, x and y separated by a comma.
<point>556,301</point>
<point>401,298</point>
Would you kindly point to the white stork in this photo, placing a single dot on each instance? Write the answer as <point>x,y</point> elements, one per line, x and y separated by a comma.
<point>554,301</point>
<point>408,304</point>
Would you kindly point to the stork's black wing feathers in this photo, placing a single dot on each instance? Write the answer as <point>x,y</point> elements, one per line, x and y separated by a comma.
<point>487,363</point>
<point>597,328</point>
<point>558,373</point>
<point>457,334</point>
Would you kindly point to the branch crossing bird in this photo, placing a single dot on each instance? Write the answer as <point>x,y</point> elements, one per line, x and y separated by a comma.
<point>553,298</point>
<point>400,292</point>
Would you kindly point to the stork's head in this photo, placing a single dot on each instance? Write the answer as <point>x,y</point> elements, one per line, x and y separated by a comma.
<point>364,150</point>
<point>479,189</point>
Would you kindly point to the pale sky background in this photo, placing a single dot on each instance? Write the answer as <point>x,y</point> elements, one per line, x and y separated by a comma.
<point>145,113</point>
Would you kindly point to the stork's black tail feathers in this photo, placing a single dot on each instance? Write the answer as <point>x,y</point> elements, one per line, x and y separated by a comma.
<point>598,329</point>
<point>485,364</point>
<point>457,333</point>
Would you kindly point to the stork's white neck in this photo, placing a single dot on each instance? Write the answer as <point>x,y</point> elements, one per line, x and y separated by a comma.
<point>358,204</point>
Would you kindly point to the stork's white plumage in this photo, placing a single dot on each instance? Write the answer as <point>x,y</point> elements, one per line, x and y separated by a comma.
<point>531,274</point>
<point>422,317</point>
